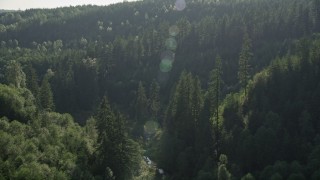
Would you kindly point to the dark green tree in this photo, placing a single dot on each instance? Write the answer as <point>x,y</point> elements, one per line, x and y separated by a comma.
<point>104,119</point>
<point>116,152</point>
<point>244,62</point>
<point>141,105</point>
<point>32,80</point>
<point>154,98</point>
<point>180,117</point>
<point>45,94</point>
<point>181,121</point>
<point>196,100</point>
<point>214,100</point>
<point>316,14</point>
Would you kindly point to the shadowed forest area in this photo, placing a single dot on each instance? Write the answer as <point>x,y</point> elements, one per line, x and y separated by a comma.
<point>170,89</point>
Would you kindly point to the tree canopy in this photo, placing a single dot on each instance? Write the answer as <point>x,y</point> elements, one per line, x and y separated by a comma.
<point>185,89</point>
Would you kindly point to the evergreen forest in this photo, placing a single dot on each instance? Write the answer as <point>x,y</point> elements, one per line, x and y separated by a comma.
<point>163,90</point>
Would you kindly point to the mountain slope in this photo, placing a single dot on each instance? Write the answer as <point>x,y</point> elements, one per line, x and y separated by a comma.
<point>277,122</point>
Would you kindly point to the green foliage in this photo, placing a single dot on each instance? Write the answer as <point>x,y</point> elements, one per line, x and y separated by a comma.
<point>244,62</point>
<point>204,175</point>
<point>45,95</point>
<point>15,75</point>
<point>270,128</point>
<point>248,176</point>
<point>116,152</point>
<point>154,94</point>
<point>49,151</point>
<point>16,103</point>
<point>32,80</point>
<point>223,159</point>
<point>223,173</point>
<point>215,86</point>
<point>141,105</point>
<point>296,176</point>
<point>106,123</point>
<point>276,176</point>
<point>214,93</point>
<point>38,171</point>
<point>181,123</point>
<point>278,123</point>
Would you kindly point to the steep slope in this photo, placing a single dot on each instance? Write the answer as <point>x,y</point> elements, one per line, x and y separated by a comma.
<point>166,66</point>
<point>277,123</point>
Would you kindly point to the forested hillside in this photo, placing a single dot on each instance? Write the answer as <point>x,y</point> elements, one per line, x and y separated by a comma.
<point>206,89</point>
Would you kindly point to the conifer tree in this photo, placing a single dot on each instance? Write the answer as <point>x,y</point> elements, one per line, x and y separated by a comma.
<point>141,103</point>
<point>45,94</point>
<point>116,152</point>
<point>181,121</point>
<point>215,86</point>
<point>105,118</point>
<point>214,98</point>
<point>154,98</point>
<point>244,59</point>
<point>32,80</point>
<point>181,112</point>
<point>196,100</point>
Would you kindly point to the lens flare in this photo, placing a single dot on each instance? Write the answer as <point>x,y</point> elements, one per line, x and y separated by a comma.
<point>151,127</point>
<point>171,44</point>
<point>165,65</point>
<point>180,5</point>
<point>174,30</point>
<point>167,55</point>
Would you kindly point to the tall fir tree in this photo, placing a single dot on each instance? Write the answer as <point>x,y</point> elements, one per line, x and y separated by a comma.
<point>181,120</point>
<point>46,95</point>
<point>154,98</point>
<point>105,118</point>
<point>117,154</point>
<point>197,100</point>
<point>32,80</point>
<point>181,112</point>
<point>214,100</point>
<point>244,60</point>
<point>141,103</point>
<point>215,86</point>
